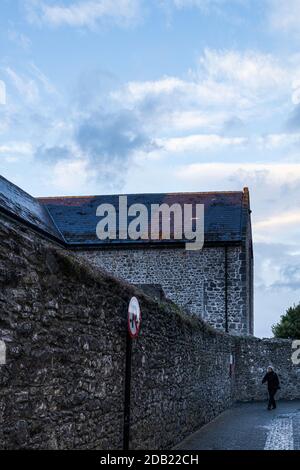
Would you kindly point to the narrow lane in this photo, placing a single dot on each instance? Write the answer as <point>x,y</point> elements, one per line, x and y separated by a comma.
<point>249,426</point>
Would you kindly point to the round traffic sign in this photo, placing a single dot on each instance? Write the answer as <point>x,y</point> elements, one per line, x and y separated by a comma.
<point>134,317</point>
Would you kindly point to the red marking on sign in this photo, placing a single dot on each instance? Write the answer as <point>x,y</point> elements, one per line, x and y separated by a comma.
<point>134,317</point>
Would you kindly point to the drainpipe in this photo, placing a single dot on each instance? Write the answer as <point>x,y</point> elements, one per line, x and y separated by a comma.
<point>226,288</point>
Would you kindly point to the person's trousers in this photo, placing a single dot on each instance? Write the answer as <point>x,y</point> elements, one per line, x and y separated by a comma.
<point>272,402</point>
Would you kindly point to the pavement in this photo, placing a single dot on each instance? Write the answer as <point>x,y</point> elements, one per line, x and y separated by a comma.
<point>250,426</point>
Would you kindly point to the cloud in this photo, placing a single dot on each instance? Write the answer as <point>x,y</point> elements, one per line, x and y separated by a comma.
<point>71,176</point>
<point>233,123</point>
<point>195,3</point>
<point>277,283</point>
<point>110,140</point>
<point>282,220</point>
<point>296,92</point>
<point>104,142</point>
<point>53,154</point>
<point>27,87</point>
<point>2,92</point>
<point>30,86</point>
<point>110,126</point>
<point>19,39</point>
<point>284,15</point>
<point>280,15</point>
<point>41,77</point>
<point>277,267</point>
<point>193,92</point>
<point>277,173</point>
<point>14,151</point>
<point>16,147</point>
<point>252,70</point>
<point>199,142</point>
<point>229,92</point>
<point>274,191</point>
<point>293,122</point>
<point>204,5</point>
<point>278,141</point>
<point>224,80</point>
<point>167,85</point>
<point>289,278</point>
<point>189,120</point>
<point>93,88</point>
<point>84,13</point>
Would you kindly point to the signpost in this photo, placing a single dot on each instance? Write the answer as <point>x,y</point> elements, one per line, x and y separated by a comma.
<point>133,328</point>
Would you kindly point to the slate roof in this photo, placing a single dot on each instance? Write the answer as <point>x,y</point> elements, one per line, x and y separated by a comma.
<point>17,203</point>
<point>73,219</point>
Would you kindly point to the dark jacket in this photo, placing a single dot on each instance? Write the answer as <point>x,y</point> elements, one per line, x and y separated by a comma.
<point>272,379</point>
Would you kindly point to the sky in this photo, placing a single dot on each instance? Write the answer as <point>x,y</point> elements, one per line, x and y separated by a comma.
<point>110,96</point>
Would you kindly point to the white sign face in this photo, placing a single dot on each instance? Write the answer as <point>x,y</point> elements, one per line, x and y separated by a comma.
<point>134,317</point>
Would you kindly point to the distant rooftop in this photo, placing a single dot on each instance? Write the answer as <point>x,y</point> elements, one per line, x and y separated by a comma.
<point>73,220</point>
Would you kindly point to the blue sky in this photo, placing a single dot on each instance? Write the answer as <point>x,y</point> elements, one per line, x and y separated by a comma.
<point>104,96</point>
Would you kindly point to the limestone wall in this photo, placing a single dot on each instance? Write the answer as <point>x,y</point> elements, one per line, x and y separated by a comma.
<point>253,356</point>
<point>64,326</point>
<point>194,280</point>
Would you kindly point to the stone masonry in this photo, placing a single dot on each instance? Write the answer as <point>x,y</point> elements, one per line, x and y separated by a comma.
<point>64,326</point>
<point>193,280</point>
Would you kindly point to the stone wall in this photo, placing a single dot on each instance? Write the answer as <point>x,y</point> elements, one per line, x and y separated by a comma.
<point>193,280</point>
<point>64,325</point>
<point>253,356</point>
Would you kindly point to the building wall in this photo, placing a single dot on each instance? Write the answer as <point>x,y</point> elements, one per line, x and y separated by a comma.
<point>64,326</point>
<point>249,267</point>
<point>194,280</point>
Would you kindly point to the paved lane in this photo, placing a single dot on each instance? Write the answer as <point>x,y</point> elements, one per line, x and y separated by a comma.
<point>249,426</point>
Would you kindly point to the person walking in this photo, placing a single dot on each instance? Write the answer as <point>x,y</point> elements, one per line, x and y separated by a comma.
<point>272,380</point>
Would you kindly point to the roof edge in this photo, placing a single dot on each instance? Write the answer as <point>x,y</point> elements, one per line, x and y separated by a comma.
<point>46,198</point>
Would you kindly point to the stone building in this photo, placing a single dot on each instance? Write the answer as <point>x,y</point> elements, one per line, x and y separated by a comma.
<point>215,283</point>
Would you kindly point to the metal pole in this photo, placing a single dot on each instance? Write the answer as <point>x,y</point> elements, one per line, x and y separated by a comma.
<point>127,392</point>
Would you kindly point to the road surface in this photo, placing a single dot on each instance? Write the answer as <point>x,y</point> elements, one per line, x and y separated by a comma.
<point>250,426</point>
